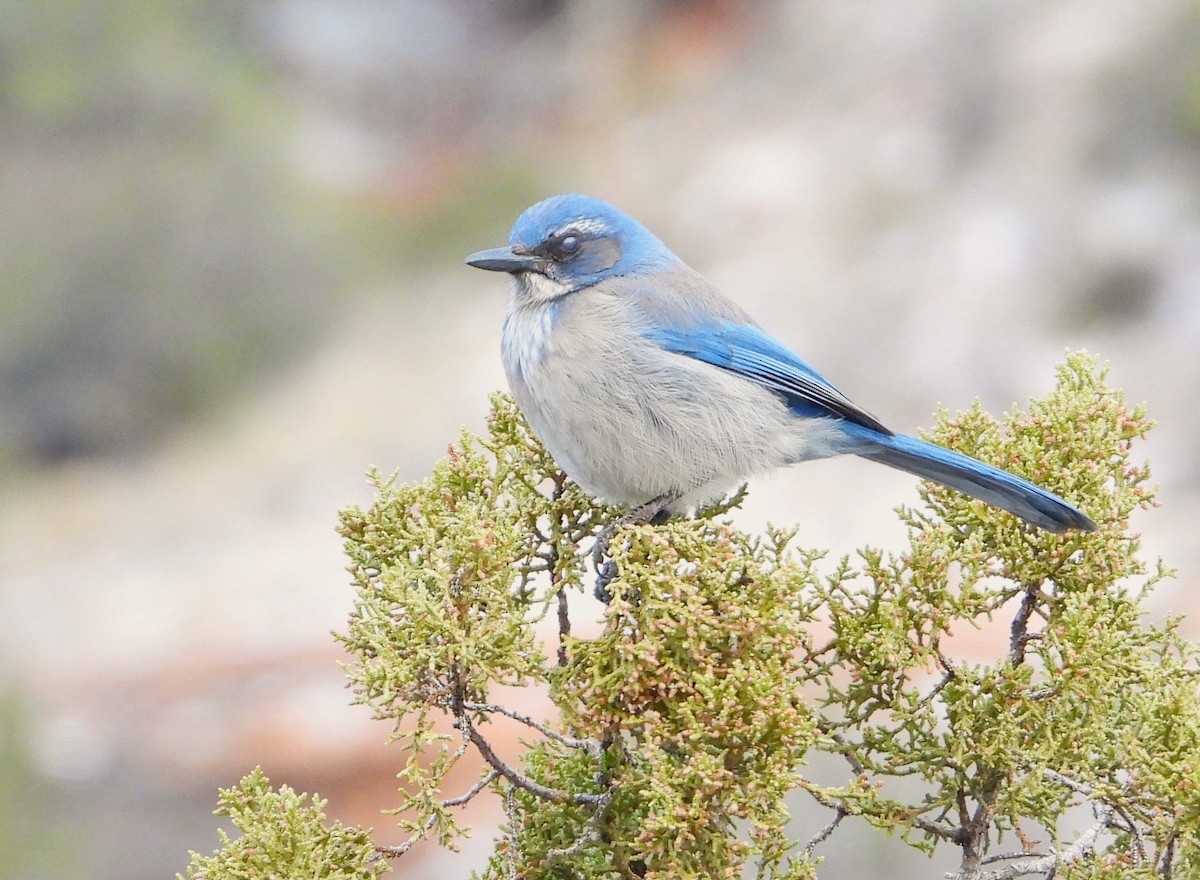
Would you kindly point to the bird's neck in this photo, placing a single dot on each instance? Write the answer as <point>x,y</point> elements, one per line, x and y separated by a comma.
<point>525,340</point>
<point>533,290</point>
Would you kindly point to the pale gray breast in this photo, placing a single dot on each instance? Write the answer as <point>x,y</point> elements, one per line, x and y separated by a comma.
<point>624,418</point>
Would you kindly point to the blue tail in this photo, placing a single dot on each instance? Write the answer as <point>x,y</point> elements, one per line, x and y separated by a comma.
<point>999,488</point>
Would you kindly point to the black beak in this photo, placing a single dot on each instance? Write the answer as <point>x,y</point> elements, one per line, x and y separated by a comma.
<point>503,259</point>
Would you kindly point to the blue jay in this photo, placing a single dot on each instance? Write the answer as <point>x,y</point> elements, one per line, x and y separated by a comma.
<point>654,391</point>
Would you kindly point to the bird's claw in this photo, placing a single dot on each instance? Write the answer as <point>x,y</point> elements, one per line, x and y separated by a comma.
<point>606,573</point>
<point>655,511</point>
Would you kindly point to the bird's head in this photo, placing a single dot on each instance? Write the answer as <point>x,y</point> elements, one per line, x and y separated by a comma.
<point>568,242</point>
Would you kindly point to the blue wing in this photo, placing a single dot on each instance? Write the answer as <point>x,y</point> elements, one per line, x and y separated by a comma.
<point>750,352</point>
<point>746,350</point>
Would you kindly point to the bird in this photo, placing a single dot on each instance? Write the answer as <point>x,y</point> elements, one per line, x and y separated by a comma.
<point>654,391</point>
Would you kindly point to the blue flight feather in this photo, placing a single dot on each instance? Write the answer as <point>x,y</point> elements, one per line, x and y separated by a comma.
<point>977,479</point>
<point>750,352</point>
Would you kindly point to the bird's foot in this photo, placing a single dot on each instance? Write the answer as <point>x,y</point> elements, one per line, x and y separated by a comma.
<point>656,511</point>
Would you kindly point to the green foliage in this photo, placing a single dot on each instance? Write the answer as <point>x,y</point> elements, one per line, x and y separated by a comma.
<point>283,837</point>
<point>726,661</point>
<point>696,674</point>
<point>159,254</point>
<point>40,832</point>
<point>1085,689</point>
<point>439,618</point>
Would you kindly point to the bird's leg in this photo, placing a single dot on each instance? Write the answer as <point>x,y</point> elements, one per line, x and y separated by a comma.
<point>656,511</point>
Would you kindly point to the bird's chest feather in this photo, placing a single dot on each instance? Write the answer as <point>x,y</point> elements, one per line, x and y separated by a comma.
<point>563,366</point>
<point>554,360</point>
<point>626,419</point>
<point>526,342</point>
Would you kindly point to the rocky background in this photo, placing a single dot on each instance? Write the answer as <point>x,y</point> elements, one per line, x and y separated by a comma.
<point>231,279</point>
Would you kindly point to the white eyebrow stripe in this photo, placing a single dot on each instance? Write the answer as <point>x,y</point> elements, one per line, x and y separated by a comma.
<point>586,225</point>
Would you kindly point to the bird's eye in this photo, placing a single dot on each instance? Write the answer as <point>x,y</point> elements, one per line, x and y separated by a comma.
<point>563,247</point>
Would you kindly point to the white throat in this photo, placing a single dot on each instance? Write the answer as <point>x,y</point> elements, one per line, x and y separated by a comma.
<point>536,287</point>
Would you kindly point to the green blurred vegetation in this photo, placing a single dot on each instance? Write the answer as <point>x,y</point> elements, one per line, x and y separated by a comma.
<point>31,847</point>
<point>157,250</point>
<point>160,250</point>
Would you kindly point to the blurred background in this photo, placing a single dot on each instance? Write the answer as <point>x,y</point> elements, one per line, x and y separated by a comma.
<point>231,279</point>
